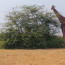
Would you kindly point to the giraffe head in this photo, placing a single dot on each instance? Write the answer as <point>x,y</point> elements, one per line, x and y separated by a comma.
<point>53,7</point>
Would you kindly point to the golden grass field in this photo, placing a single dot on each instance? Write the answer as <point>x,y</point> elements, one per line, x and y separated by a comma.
<point>32,57</point>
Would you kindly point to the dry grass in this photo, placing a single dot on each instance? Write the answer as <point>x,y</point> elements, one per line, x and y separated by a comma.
<point>32,57</point>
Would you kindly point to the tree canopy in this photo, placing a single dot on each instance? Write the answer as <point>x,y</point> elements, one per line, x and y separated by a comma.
<point>31,18</point>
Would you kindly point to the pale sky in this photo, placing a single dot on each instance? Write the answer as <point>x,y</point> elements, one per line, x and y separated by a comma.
<point>7,5</point>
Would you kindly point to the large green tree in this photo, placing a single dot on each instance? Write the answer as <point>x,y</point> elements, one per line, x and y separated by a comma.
<point>29,27</point>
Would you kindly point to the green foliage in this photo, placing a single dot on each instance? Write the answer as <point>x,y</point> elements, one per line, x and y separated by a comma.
<point>33,41</point>
<point>2,43</point>
<point>25,41</point>
<point>54,42</point>
<point>30,27</point>
<point>36,40</point>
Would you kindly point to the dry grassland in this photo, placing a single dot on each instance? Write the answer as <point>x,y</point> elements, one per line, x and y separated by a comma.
<point>32,57</point>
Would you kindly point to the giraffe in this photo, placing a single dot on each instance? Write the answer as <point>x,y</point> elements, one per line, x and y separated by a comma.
<point>61,19</point>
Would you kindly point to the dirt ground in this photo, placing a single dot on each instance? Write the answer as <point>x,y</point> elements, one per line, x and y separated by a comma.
<point>32,57</point>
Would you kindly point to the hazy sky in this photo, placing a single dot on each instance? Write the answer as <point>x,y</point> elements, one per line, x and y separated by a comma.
<point>7,5</point>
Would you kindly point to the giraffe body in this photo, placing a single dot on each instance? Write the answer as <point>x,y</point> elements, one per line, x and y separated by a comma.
<point>62,20</point>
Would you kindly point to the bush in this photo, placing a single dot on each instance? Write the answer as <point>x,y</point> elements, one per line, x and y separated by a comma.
<point>36,40</point>
<point>25,41</point>
<point>2,43</point>
<point>55,42</point>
